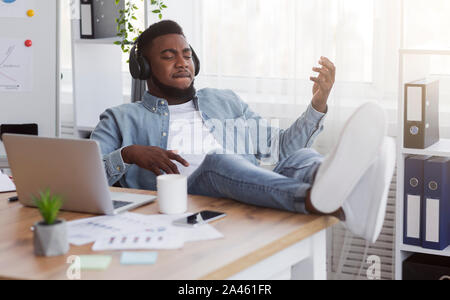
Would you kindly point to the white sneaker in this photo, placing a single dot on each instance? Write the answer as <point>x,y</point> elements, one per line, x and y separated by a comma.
<point>356,151</point>
<point>365,209</point>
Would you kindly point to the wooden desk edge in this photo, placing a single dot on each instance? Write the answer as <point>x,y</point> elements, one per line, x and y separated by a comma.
<point>255,257</point>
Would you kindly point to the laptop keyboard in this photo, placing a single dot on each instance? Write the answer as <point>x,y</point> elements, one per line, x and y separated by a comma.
<point>120,204</point>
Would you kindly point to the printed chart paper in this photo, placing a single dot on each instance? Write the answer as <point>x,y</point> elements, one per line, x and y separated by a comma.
<point>89,230</point>
<point>141,241</point>
<point>130,231</point>
<point>15,65</point>
<point>6,184</point>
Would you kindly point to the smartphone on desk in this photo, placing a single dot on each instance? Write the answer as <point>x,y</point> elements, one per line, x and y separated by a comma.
<point>200,218</point>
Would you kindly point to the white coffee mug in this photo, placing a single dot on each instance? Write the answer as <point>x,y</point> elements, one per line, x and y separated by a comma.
<point>172,194</point>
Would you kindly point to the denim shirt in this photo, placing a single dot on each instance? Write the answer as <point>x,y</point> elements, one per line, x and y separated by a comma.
<point>233,124</point>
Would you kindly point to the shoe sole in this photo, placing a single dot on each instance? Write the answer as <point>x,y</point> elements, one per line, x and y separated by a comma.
<point>375,223</point>
<point>329,192</point>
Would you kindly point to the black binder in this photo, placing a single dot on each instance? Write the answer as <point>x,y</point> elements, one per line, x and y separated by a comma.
<point>426,267</point>
<point>421,114</point>
<point>26,129</point>
<point>98,18</point>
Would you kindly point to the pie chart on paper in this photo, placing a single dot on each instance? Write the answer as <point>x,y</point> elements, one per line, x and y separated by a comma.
<point>15,8</point>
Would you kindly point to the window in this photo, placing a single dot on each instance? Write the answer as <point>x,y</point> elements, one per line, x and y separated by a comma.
<point>426,24</point>
<point>266,52</point>
<point>255,38</point>
<point>430,32</point>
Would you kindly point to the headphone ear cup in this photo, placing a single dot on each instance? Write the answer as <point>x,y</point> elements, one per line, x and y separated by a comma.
<point>146,70</point>
<point>196,62</point>
<point>135,68</point>
<point>139,67</point>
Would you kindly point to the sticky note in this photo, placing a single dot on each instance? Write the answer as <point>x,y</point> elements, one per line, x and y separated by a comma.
<point>95,262</point>
<point>138,258</point>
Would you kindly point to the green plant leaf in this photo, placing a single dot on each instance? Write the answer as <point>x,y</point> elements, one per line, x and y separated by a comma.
<point>125,28</point>
<point>49,206</point>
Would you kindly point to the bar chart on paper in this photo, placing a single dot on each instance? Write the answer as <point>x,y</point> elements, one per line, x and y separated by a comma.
<point>149,240</point>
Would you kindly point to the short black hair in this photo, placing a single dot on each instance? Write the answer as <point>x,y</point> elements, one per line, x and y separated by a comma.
<point>156,30</point>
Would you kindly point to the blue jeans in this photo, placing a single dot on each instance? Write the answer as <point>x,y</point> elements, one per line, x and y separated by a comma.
<point>235,177</point>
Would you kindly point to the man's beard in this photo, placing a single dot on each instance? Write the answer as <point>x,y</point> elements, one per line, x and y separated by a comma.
<point>175,93</point>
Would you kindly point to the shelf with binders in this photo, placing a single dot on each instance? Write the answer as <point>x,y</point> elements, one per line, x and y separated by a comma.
<point>400,209</point>
<point>404,251</point>
<point>416,64</point>
<point>432,65</point>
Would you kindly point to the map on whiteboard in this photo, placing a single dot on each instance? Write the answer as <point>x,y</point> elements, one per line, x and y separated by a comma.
<point>15,8</point>
<point>15,66</point>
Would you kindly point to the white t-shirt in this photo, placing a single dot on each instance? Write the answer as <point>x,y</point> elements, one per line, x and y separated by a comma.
<point>189,136</point>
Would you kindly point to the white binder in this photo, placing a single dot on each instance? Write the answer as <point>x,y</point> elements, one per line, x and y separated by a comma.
<point>87,29</point>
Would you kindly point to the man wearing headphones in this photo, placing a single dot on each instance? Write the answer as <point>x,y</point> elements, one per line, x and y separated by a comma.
<point>215,139</point>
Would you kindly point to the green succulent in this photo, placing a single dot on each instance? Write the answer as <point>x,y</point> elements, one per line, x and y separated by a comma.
<point>49,206</point>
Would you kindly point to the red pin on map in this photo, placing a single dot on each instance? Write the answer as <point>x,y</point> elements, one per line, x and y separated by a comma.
<point>28,43</point>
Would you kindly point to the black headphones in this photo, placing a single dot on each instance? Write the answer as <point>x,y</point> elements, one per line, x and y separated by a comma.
<point>140,68</point>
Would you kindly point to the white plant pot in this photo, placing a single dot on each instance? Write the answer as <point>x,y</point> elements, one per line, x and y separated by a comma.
<point>51,240</point>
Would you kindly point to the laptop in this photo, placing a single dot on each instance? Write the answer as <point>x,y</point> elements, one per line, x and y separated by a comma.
<point>72,169</point>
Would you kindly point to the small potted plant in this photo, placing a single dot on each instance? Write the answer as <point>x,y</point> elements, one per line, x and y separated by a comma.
<point>50,235</point>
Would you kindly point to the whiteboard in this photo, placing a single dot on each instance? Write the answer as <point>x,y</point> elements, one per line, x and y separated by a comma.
<point>34,95</point>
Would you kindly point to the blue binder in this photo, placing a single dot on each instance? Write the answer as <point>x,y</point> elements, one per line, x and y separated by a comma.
<point>413,200</point>
<point>436,204</point>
